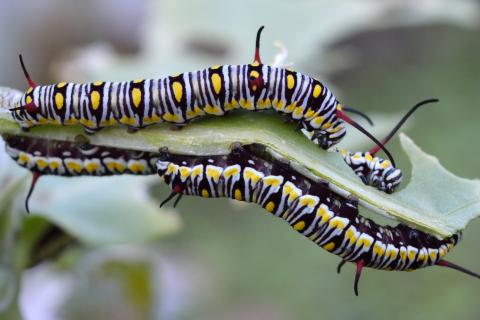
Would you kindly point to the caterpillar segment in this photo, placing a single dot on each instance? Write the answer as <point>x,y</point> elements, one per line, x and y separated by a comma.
<point>181,98</point>
<point>311,208</point>
<point>71,159</point>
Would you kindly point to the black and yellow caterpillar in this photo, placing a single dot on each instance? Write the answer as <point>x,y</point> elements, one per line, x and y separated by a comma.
<point>179,99</point>
<point>247,174</point>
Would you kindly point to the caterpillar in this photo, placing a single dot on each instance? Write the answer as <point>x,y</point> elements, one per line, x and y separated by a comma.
<point>374,171</point>
<point>310,207</point>
<point>247,174</point>
<point>181,98</point>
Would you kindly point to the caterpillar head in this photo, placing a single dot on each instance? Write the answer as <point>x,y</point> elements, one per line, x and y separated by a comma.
<point>373,171</point>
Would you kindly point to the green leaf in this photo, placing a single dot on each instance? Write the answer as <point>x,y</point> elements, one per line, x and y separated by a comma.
<point>425,203</point>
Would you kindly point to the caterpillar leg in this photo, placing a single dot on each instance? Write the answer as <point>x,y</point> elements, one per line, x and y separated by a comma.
<point>444,263</point>
<point>177,191</point>
<point>358,273</point>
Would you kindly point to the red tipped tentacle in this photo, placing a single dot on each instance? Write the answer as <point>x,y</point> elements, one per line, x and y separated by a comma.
<point>176,191</point>
<point>444,263</point>
<point>342,115</point>
<point>256,57</point>
<point>31,83</point>
<point>358,272</point>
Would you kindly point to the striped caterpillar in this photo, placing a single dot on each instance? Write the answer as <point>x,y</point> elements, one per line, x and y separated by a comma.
<point>181,98</point>
<point>247,174</point>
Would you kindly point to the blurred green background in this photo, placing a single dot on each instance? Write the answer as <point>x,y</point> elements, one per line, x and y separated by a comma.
<point>230,260</point>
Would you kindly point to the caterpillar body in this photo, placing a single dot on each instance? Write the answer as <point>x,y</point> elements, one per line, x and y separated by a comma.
<point>329,220</point>
<point>181,98</point>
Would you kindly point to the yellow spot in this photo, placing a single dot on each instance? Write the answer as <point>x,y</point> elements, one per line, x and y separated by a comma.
<point>329,246</point>
<point>338,223</point>
<point>299,226</point>
<point>270,206</point>
<point>351,235</point>
<point>432,254</point>
<point>41,164</point>
<point>368,157</point>
<point>391,252</point>
<point>172,168</point>
<point>254,74</point>
<point>205,193</point>
<point>177,90</point>
<point>290,81</point>
<point>196,171</point>
<point>403,254</point>
<point>128,121</point>
<point>213,173</point>
<point>169,117</point>
<point>54,165</point>
<point>317,90</point>
<point>29,100</point>
<point>29,90</point>
<point>324,214</point>
<point>422,256</point>
<point>385,164</point>
<point>378,249</point>
<point>198,111</point>
<point>411,255</point>
<point>290,191</point>
<point>310,113</point>
<point>136,167</point>
<point>23,158</point>
<point>298,112</point>
<point>238,195</point>
<point>191,114</point>
<point>74,166</point>
<point>213,110</point>
<point>98,83</point>
<point>184,172</point>
<point>272,181</point>
<point>71,120</point>
<point>137,80</point>
<point>61,85</point>
<point>442,251</point>
<point>91,167</point>
<point>95,97</point>
<point>216,82</point>
<point>59,101</point>
<point>307,201</point>
<point>116,166</point>
<point>215,67</point>
<point>365,241</point>
<point>230,171</point>
<point>317,121</point>
<point>136,96</point>
<point>246,104</point>
<point>87,123</point>
<point>251,174</point>
<point>255,63</point>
